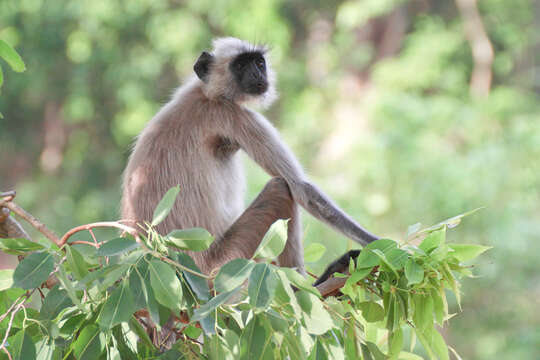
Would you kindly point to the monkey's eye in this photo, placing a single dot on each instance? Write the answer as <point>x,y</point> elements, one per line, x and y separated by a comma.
<point>260,63</point>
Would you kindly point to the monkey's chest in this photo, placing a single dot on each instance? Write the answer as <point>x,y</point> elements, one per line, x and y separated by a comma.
<point>221,147</point>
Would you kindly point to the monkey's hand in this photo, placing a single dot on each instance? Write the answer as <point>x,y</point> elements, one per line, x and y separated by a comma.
<point>340,265</point>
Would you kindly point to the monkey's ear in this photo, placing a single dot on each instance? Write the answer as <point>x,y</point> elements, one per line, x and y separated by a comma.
<point>202,66</point>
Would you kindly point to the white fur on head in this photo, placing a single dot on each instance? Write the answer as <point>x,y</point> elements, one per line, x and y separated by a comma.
<point>221,83</point>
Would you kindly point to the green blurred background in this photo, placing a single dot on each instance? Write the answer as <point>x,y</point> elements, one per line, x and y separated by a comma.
<point>385,102</point>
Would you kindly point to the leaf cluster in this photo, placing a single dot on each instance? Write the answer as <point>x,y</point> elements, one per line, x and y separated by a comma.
<point>114,300</point>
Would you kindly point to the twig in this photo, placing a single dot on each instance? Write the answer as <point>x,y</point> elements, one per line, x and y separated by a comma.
<point>7,353</point>
<point>132,231</point>
<point>38,225</point>
<point>113,224</point>
<point>10,324</point>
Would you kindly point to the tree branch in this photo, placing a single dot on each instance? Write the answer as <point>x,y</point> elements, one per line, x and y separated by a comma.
<point>482,50</point>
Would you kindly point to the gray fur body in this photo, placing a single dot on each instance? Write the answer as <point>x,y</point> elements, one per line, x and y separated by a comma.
<point>193,141</point>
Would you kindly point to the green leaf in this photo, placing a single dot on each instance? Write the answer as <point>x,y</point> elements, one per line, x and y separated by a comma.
<point>166,286</point>
<point>21,346</point>
<point>450,223</point>
<point>255,342</point>
<point>210,306</point>
<point>273,241</point>
<point>90,343</point>
<point>262,286</point>
<point>384,260</point>
<point>355,277</point>
<point>198,284</point>
<point>76,262</point>
<point>397,258</point>
<point>314,252</point>
<point>1,78</point>
<point>375,351</point>
<point>233,274</point>
<point>395,343</point>
<point>55,301</point>
<point>139,284</point>
<point>18,246</point>
<point>71,325</point>
<point>433,240</point>
<point>137,328</point>
<point>439,346</point>
<point>165,205</point>
<point>6,279</point>
<point>371,311</point>
<point>413,272</point>
<point>117,246</point>
<point>33,270</point>
<point>368,259</point>
<point>299,281</point>
<point>423,311</point>
<point>466,252</point>
<point>11,56</point>
<point>118,308</point>
<point>317,319</point>
<point>318,352</point>
<point>195,239</point>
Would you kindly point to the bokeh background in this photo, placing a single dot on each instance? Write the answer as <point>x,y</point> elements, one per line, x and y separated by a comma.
<point>403,111</point>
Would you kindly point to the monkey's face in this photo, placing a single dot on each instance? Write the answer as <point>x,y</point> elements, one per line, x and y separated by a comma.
<point>249,72</point>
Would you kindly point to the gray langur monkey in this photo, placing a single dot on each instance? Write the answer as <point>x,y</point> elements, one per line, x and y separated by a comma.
<point>193,141</point>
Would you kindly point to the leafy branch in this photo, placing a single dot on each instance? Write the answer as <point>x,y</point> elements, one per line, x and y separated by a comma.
<point>138,296</point>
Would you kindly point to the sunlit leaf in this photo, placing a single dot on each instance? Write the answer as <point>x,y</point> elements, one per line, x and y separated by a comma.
<point>317,319</point>
<point>318,352</point>
<point>18,246</point>
<point>273,241</point>
<point>433,240</point>
<point>254,341</point>
<point>33,270</point>
<point>10,55</point>
<point>195,239</point>
<point>466,252</point>
<point>89,344</point>
<point>413,272</point>
<point>233,274</point>
<point>117,246</point>
<point>6,279</point>
<point>165,205</point>
<point>262,286</point>
<point>166,286</point>
<point>368,259</point>
<point>300,281</point>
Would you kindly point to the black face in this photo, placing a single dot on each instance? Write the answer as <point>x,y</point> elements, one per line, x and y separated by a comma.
<point>249,71</point>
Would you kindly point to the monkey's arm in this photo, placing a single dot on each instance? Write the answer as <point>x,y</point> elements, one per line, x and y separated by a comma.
<point>261,141</point>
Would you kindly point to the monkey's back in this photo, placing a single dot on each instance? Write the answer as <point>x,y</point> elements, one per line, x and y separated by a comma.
<point>182,145</point>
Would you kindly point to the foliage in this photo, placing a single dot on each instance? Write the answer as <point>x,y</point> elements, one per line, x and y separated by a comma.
<point>94,311</point>
<point>375,102</point>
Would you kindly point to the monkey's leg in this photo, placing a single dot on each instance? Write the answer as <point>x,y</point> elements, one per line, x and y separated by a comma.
<point>244,236</point>
<point>293,253</point>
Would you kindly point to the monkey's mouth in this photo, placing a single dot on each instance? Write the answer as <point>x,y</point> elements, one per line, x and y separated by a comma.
<point>258,88</point>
